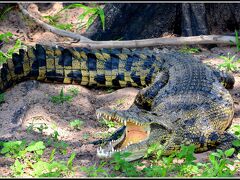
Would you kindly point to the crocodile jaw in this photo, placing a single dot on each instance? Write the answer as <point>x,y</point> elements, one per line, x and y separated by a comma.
<point>132,140</point>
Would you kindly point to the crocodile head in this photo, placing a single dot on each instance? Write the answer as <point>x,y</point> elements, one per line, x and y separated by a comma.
<point>142,130</point>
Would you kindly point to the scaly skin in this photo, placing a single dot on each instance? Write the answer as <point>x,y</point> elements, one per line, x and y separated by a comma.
<point>185,101</point>
<point>106,67</point>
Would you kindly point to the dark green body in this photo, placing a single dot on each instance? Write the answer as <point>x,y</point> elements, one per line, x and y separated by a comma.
<point>184,101</point>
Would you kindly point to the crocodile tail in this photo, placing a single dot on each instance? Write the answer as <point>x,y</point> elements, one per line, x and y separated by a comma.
<point>105,67</point>
<point>14,70</point>
<point>5,78</point>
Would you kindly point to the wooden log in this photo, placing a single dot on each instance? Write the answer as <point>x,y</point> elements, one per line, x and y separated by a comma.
<point>192,40</point>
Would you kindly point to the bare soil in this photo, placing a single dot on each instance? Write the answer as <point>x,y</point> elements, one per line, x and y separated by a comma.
<point>29,102</point>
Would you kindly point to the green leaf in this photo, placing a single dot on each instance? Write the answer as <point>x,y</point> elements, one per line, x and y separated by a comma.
<point>237,40</point>
<point>18,167</point>
<point>39,167</point>
<point>229,152</point>
<point>6,10</point>
<point>35,146</point>
<point>77,123</point>
<point>10,146</point>
<point>90,20</point>
<point>70,161</point>
<point>51,158</point>
<point>64,26</point>
<point>102,17</point>
<point>71,6</point>
<point>236,143</point>
<point>89,11</point>
<point>5,37</point>
<point>216,154</point>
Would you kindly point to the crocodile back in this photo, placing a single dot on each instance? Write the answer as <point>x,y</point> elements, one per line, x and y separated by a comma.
<point>193,97</point>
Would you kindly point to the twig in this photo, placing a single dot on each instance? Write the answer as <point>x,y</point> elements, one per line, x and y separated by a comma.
<point>53,29</point>
<point>203,39</point>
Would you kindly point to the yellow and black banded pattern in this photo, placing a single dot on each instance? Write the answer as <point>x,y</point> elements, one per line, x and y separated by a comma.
<point>104,67</point>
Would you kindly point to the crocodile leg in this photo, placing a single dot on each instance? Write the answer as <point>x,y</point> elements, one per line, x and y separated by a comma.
<point>146,96</point>
<point>225,78</point>
<point>225,141</point>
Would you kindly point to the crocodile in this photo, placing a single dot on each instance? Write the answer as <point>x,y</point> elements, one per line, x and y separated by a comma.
<point>181,101</point>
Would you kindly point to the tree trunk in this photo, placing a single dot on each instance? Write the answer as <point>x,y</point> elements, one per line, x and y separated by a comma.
<point>128,21</point>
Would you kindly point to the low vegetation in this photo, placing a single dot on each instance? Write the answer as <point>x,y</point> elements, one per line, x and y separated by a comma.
<point>90,14</point>
<point>38,159</point>
<point>230,63</point>
<point>5,38</point>
<point>65,97</point>
<point>77,124</point>
<point>190,50</point>
<point>29,160</point>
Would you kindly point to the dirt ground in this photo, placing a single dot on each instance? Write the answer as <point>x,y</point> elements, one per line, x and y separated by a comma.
<point>29,102</point>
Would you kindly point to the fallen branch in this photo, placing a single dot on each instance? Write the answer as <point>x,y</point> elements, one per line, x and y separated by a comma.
<point>203,39</point>
<point>53,29</point>
<point>85,42</point>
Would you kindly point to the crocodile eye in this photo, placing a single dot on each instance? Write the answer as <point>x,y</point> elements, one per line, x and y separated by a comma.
<point>163,141</point>
<point>157,126</point>
<point>153,113</point>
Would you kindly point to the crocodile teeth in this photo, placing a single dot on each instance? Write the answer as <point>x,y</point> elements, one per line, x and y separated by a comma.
<point>104,153</point>
<point>98,115</point>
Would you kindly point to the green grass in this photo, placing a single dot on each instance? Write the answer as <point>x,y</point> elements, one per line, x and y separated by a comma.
<point>4,56</point>
<point>91,12</point>
<point>86,136</point>
<point>95,170</point>
<point>65,97</point>
<point>179,164</point>
<point>230,63</point>
<point>107,123</point>
<point>5,11</point>
<point>73,91</point>
<point>29,159</point>
<point>237,43</point>
<point>102,135</point>
<point>61,98</point>
<point>189,50</point>
<point>53,20</point>
<point>39,127</point>
<point>235,129</point>
<point>77,124</point>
